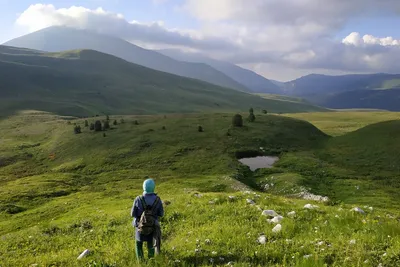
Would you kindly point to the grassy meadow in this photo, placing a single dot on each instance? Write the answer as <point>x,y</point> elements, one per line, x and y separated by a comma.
<point>63,193</point>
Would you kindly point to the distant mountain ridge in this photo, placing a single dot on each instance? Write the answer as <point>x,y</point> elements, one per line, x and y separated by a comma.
<point>253,81</point>
<point>373,91</point>
<point>60,38</point>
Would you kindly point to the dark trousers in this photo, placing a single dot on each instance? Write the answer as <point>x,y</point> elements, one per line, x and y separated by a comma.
<point>139,250</point>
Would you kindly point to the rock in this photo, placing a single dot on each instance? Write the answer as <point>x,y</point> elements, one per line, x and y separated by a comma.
<point>231,198</point>
<point>352,242</point>
<point>357,209</point>
<point>250,201</point>
<point>212,202</point>
<point>291,214</point>
<point>310,206</point>
<point>230,263</point>
<point>83,254</point>
<point>277,219</point>
<point>214,253</point>
<point>262,239</point>
<point>197,195</point>
<point>207,241</point>
<point>307,256</point>
<point>270,213</point>
<point>277,228</point>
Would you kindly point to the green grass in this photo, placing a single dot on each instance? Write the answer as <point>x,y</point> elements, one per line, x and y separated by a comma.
<point>296,103</point>
<point>61,193</point>
<point>389,84</point>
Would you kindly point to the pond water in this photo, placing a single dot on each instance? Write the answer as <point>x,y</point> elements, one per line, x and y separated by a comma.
<point>259,162</point>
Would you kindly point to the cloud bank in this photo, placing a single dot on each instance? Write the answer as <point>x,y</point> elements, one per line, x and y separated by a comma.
<point>297,34</point>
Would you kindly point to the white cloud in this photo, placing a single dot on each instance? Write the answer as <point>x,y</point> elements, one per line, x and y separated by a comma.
<point>293,34</point>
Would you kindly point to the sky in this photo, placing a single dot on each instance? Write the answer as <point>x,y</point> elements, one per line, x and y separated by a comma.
<point>279,39</point>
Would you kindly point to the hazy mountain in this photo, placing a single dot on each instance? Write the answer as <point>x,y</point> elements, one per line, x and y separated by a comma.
<point>255,82</point>
<point>58,38</point>
<point>87,82</point>
<point>375,91</point>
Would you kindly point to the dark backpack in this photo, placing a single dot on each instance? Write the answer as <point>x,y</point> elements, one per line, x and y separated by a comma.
<point>147,221</point>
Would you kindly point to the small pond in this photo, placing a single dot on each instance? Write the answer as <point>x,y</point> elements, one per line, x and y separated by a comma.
<point>259,162</point>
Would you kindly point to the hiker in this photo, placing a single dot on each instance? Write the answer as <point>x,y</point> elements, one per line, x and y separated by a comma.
<point>146,210</point>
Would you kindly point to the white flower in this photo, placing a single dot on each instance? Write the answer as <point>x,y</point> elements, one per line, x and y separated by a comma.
<point>352,242</point>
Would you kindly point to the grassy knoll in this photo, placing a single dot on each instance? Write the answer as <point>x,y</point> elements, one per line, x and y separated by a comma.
<point>339,123</point>
<point>61,193</point>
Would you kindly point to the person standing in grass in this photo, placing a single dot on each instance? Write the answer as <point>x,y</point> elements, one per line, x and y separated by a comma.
<point>145,211</point>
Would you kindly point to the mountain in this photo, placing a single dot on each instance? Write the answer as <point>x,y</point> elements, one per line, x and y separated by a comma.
<point>278,83</point>
<point>87,82</point>
<point>255,82</point>
<point>373,91</point>
<point>60,38</point>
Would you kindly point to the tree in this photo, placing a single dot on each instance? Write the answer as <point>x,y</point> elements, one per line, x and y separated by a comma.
<point>86,123</point>
<point>104,135</point>
<point>106,125</point>
<point>107,118</point>
<point>91,126</point>
<point>252,118</point>
<point>200,129</point>
<point>77,129</point>
<point>164,128</point>
<point>136,122</point>
<point>97,126</point>
<point>115,122</point>
<point>122,121</point>
<point>265,111</point>
<point>237,121</point>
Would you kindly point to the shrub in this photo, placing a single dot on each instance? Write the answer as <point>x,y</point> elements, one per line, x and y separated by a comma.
<point>136,122</point>
<point>106,125</point>
<point>237,121</point>
<point>122,121</point>
<point>91,126</point>
<point>115,122</point>
<point>86,123</point>
<point>104,135</point>
<point>200,129</point>
<point>265,111</point>
<point>251,118</point>
<point>107,118</point>
<point>97,126</point>
<point>163,128</point>
<point>77,129</point>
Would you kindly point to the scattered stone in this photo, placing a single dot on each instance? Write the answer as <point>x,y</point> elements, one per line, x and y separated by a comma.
<point>291,214</point>
<point>270,213</point>
<point>85,253</point>
<point>277,219</point>
<point>250,201</point>
<point>262,239</point>
<point>277,228</point>
<point>310,206</point>
<point>352,242</point>
<point>357,209</point>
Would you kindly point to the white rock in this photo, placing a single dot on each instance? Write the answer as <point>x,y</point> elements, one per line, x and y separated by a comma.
<point>357,209</point>
<point>371,208</point>
<point>384,254</point>
<point>250,201</point>
<point>277,219</point>
<point>352,242</point>
<point>230,263</point>
<point>307,256</point>
<point>262,239</point>
<point>83,254</point>
<point>310,206</point>
<point>277,228</point>
<point>291,214</point>
<point>232,197</point>
<point>270,213</point>
<point>336,216</point>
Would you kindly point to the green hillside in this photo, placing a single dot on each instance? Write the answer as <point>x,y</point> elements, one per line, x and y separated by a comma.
<point>86,83</point>
<point>62,193</point>
<point>296,102</point>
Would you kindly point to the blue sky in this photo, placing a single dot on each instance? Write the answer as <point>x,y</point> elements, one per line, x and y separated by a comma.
<point>280,39</point>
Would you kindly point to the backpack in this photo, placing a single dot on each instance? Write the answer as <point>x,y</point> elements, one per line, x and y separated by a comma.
<point>147,221</point>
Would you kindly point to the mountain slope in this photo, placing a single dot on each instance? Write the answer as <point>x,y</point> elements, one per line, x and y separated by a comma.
<point>87,82</point>
<point>56,39</point>
<point>250,79</point>
<point>372,91</point>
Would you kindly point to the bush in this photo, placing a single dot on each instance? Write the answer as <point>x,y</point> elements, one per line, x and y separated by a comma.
<point>107,118</point>
<point>265,111</point>
<point>106,125</point>
<point>77,129</point>
<point>86,123</point>
<point>115,122</point>
<point>104,135</point>
<point>97,126</point>
<point>200,129</point>
<point>92,127</point>
<point>237,120</point>
<point>164,128</point>
<point>251,118</point>
<point>136,122</point>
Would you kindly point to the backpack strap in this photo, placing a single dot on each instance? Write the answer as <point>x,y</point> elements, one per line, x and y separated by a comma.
<point>144,205</point>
